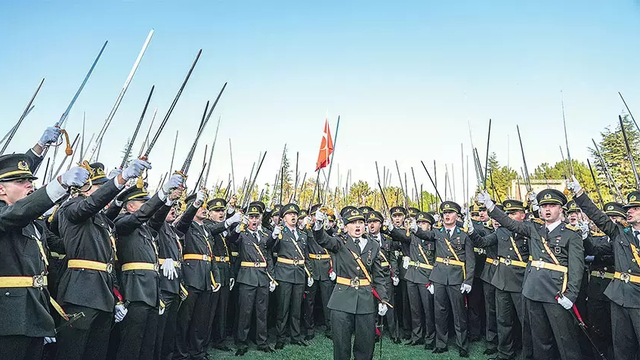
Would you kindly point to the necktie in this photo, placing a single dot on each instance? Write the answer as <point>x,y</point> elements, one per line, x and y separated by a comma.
<point>357,241</point>
<point>636,233</point>
<point>450,233</point>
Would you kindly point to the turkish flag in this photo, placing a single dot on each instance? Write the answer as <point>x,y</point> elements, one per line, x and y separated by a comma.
<point>326,147</point>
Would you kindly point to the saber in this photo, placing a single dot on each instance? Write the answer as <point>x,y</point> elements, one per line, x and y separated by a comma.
<point>146,138</point>
<point>566,140</point>
<point>593,176</point>
<point>215,138</point>
<point>26,111</point>
<point>72,318</point>
<point>233,175</point>
<point>415,184</point>
<point>432,183</point>
<point>135,133</point>
<point>607,173</point>
<point>524,162</point>
<point>629,153</point>
<point>187,161</point>
<point>404,196</point>
<point>629,111</point>
<point>486,158</point>
<point>384,199</point>
<point>295,185</point>
<point>299,196</point>
<point>173,154</point>
<point>11,130</point>
<point>248,198</point>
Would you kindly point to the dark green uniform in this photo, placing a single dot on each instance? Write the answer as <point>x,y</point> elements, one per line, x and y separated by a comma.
<point>320,265</point>
<point>389,264</point>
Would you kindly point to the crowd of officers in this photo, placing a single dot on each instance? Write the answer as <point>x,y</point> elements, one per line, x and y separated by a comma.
<point>100,269</point>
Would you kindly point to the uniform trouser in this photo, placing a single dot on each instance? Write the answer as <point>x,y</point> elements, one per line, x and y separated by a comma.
<point>553,331</point>
<point>446,296</point>
<point>361,326</point>
<point>191,327</point>
<point>138,332</point>
<point>476,308</point>
<point>326,288</point>
<point>509,307</point>
<point>18,347</point>
<point>625,326</point>
<point>599,310</point>
<point>490,311</point>
<point>166,334</point>
<point>88,337</point>
<point>210,312</point>
<point>289,303</point>
<point>252,299</point>
<point>392,319</point>
<point>218,329</point>
<point>421,304</point>
<point>406,308</point>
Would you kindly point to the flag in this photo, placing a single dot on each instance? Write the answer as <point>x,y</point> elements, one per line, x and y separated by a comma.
<point>326,147</point>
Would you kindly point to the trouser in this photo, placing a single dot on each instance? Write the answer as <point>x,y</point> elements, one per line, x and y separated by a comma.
<point>625,326</point>
<point>392,319</point>
<point>252,299</point>
<point>87,337</point>
<point>553,331</point>
<point>446,296</point>
<point>326,288</point>
<point>491,325</point>
<point>361,326</point>
<point>166,334</point>
<point>406,309</point>
<point>476,309</point>
<point>210,312</point>
<point>289,298</point>
<point>509,308</point>
<point>599,309</point>
<point>18,347</point>
<point>138,332</point>
<point>421,303</point>
<point>218,329</point>
<point>191,327</point>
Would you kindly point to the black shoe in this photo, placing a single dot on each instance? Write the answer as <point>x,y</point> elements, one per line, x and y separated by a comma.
<point>463,353</point>
<point>241,352</point>
<point>429,346</point>
<point>440,350</point>
<point>329,336</point>
<point>490,351</point>
<point>279,345</point>
<point>266,348</point>
<point>415,342</point>
<point>299,343</point>
<point>396,340</point>
<point>222,347</point>
<point>309,337</point>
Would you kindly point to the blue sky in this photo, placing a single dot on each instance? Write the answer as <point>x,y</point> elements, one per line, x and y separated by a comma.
<point>406,77</point>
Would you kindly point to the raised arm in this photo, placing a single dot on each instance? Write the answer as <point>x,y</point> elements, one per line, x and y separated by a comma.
<point>323,239</point>
<point>128,223</point>
<point>596,215</point>
<point>184,222</point>
<point>519,227</point>
<point>484,241</point>
<point>80,211</point>
<point>25,210</point>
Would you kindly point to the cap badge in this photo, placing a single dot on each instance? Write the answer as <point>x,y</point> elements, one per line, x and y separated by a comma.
<point>22,165</point>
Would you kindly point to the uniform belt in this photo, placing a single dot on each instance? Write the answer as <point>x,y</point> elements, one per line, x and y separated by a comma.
<point>320,256</point>
<point>139,266</point>
<point>448,261</point>
<point>55,255</point>
<point>354,283</point>
<point>539,264</point>
<point>234,253</point>
<point>420,265</point>
<point>510,262</point>
<point>290,261</point>
<point>176,263</point>
<point>492,261</point>
<point>626,277</point>
<point>223,259</point>
<point>202,257</point>
<point>384,264</point>
<point>602,274</point>
<point>256,264</point>
<point>479,251</point>
<point>91,265</point>
<point>36,281</point>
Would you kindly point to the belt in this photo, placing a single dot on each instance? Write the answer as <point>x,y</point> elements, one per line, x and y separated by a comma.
<point>290,261</point>
<point>256,264</point>
<point>354,283</point>
<point>223,259</point>
<point>55,255</point>
<point>420,265</point>
<point>448,261</point>
<point>626,277</point>
<point>539,264</point>
<point>176,263</point>
<point>384,264</point>
<point>492,261</point>
<point>479,251</point>
<point>202,257</point>
<point>320,256</point>
<point>602,274</point>
<point>91,265</point>
<point>36,281</point>
<point>510,262</point>
<point>139,266</point>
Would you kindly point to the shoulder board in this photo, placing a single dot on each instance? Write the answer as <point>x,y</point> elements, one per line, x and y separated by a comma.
<point>463,230</point>
<point>624,223</point>
<point>571,227</point>
<point>598,233</point>
<point>437,226</point>
<point>538,221</point>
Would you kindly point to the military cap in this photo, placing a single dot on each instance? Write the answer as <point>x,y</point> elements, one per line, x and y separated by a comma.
<point>424,216</point>
<point>15,167</point>
<point>302,214</point>
<point>413,212</point>
<point>450,206</point>
<point>135,193</point>
<point>261,205</point>
<point>289,209</point>
<point>276,209</point>
<point>353,215</point>
<point>217,204</point>
<point>374,216</point>
<point>475,209</point>
<point>614,209</point>
<point>315,208</point>
<point>633,200</point>
<point>482,207</point>
<point>98,176</point>
<point>398,210</point>
<point>331,217</point>
<point>572,207</point>
<point>254,209</point>
<point>346,210</point>
<point>551,196</point>
<point>366,209</point>
<point>512,205</point>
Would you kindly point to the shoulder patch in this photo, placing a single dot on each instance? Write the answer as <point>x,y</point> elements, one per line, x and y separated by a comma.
<point>598,233</point>
<point>571,227</point>
<point>538,221</point>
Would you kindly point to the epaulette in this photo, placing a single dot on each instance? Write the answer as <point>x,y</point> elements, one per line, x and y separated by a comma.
<point>538,221</point>
<point>571,227</point>
<point>598,233</point>
<point>624,223</point>
<point>462,230</point>
<point>437,226</point>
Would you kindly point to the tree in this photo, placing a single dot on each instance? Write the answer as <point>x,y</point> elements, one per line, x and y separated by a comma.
<point>499,178</point>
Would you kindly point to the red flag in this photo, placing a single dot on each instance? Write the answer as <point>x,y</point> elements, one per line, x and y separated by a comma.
<point>326,147</point>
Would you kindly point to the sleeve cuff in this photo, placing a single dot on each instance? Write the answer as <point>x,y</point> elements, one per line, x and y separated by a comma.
<point>169,202</point>
<point>118,185</point>
<point>55,191</point>
<point>162,195</point>
<point>34,153</point>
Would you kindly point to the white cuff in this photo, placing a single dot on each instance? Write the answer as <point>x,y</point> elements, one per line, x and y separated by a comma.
<point>317,226</point>
<point>55,191</point>
<point>118,185</point>
<point>162,195</point>
<point>231,210</point>
<point>169,202</point>
<point>118,203</point>
<point>34,153</point>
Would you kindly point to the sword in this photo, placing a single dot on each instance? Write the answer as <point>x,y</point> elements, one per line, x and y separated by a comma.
<point>72,318</point>
<point>576,316</point>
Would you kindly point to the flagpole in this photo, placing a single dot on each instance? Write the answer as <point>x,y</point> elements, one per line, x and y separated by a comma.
<point>335,139</point>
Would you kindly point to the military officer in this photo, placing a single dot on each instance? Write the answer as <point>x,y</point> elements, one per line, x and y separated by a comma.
<point>478,302</point>
<point>398,215</point>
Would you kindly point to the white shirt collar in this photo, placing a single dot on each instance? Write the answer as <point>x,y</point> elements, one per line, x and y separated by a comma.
<point>553,226</point>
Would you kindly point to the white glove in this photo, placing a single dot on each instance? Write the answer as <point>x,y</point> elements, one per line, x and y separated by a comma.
<point>135,169</point>
<point>272,286</point>
<point>216,288</point>
<point>305,222</point>
<point>276,232</point>
<point>200,196</point>
<point>565,302</point>
<point>573,185</point>
<point>395,280</point>
<point>113,173</point>
<point>533,198</point>
<point>320,216</point>
<point>120,312</point>
<point>332,276</point>
<point>50,135</point>
<point>76,176</point>
<point>174,181</point>
<point>161,310</point>
<point>405,262</point>
<point>484,198</point>
<point>584,227</point>
<point>232,283</point>
<point>169,269</point>
<point>310,282</point>
<point>589,258</point>
<point>235,219</point>
<point>470,228</point>
<point>430,288</point>
<point>382,309</point>
<point>465,288</point>
<point>388,223</point>
<point>245,219</point>
<point>49,340</point>
<point>413,226</point>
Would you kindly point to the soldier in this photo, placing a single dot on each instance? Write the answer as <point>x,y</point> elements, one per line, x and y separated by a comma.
<point>359,276</point>
<point>389,264</point>
<point>24,304</point>
<point>254,279</point>
<point>398,215</point>
<point>478,303</point>
<point>88,285</point>
<point>553,275</point>
<point>624,289</point>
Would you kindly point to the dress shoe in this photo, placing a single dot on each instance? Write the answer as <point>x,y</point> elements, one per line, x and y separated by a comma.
<point>490,351</point>
<point>415,342</point>
<point>299,343</point>
<point>463,353</point>
<point>266,348</point>
<point>279,345</point>
<point>440,350</point>
<point>396,340</point>
<point>429,346</point>
<point>222,347</point>
<point>241,352</point>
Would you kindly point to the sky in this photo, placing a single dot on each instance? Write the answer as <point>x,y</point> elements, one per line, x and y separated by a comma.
<point>409,79</point>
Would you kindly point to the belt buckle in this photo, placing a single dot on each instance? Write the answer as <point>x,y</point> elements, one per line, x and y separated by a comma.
<point>256,264</point>
<point>178,264</point>
<point>296,262</point>
<point>355,283</point>
<point>223,258</point>
<point>537,264</point>
<point>156,267</point>
<point>625,277</point>
<point>446,261</point>
<point>109,268</point>
<point>507,262</point>
<point>601,274</point>
<point>495,262</point>
<point>205,257</point>
<point>38,281</point>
